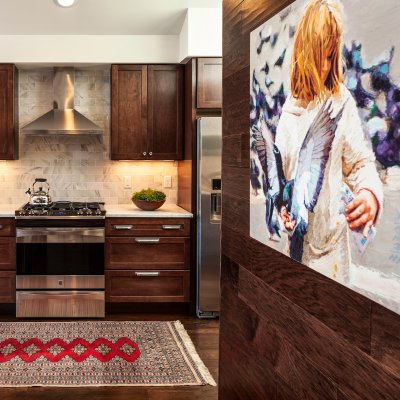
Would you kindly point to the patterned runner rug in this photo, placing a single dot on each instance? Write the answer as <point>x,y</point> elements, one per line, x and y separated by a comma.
<point>96,353</point>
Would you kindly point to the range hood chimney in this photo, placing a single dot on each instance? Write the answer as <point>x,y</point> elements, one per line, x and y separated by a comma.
<point>63,119</point>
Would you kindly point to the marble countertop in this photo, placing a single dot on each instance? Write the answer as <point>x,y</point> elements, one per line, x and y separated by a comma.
<point>130,210</point>
<point>8,210</point>
<point>119,210</point>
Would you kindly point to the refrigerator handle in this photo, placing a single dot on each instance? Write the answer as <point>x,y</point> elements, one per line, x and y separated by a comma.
<point>215,207</point>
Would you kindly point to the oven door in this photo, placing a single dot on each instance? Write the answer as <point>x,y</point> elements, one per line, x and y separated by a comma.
<point>60,258</point>
<point>60,272</point>
<point>60,251</point>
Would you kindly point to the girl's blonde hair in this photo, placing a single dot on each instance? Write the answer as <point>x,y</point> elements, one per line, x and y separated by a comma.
<point>318,35</point>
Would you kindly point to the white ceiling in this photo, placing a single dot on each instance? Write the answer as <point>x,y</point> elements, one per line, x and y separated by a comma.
<point>97,17</point>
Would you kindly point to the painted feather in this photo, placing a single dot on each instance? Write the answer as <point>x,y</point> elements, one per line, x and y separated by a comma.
<point>299,195</point>
<point>268,154</point>
<point>273,177</point>
<point>312,161</point>
<point>254,174</point>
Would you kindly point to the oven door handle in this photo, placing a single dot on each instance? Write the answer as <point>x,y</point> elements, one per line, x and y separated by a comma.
<point>60,235</point>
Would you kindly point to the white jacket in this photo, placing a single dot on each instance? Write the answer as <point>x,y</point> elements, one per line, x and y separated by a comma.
<point>326,244</point>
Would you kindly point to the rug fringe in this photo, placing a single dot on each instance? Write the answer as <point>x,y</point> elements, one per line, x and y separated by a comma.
<point>205,373</point>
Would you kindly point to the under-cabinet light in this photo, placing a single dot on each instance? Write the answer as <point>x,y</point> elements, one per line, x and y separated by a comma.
<point>65,3</point>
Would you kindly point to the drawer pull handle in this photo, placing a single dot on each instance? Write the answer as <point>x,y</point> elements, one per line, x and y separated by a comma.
<point>171,227</point>
<point>147,240</point>
<point>147,273</point>
<point>123,227</point>
<point>1,226</point>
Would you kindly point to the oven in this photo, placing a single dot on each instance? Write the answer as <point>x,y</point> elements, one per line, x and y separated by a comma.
<point>60,267</point>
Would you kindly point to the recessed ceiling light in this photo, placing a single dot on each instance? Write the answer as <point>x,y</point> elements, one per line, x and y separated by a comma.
<point>65,3</point>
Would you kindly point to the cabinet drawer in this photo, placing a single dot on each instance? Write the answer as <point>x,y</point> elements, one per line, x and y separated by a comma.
<point>147,253</point>
<point>7,253</point>
<point>146,286</point>
<point>7,287</point>
<point>171,227</point>
<point>7,227</point>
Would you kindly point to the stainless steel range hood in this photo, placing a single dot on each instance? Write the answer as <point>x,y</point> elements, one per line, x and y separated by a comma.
<point>63,119</point>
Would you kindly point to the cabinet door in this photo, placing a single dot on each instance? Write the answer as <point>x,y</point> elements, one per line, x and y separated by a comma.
<point>209,83</point>
<point>7,286</point>
<point>7,227</point>
<point>8,112</point>
<point>128,112</point>
<point>7,253</point>
<point>165,122</point>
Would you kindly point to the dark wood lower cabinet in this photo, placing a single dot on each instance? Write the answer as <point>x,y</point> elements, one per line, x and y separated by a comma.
<point>7,260</point>
<point>147,286</point>
<point>7,286</point>
<point>7,253</point>
<point>147,260</point>
<point>7,227</point>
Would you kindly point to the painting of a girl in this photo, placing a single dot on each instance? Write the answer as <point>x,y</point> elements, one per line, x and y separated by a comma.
<point>316,74</point>
<point>316,84</point>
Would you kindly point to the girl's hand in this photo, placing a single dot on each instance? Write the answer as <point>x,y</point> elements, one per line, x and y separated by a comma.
<point>287,221</point>
<point>362,211</point>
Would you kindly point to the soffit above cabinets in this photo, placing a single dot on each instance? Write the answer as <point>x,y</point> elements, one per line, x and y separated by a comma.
<point>97,17</point>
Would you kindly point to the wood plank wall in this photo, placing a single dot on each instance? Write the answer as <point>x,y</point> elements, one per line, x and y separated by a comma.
<point>287,332</point>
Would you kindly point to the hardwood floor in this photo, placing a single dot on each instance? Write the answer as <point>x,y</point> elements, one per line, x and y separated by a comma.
<point>204,334</point>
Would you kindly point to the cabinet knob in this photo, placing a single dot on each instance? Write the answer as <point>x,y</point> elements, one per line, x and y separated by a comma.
<point>150,153</point>
<point>1,226</point>
<point>144,153</point>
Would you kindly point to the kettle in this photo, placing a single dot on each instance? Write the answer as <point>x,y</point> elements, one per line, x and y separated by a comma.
<point>40,197</point>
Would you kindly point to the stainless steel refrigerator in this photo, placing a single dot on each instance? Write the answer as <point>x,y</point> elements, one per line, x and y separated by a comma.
<point>209,152</point>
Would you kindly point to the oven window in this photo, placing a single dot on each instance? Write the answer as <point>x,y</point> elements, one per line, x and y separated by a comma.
<point>60,258</point>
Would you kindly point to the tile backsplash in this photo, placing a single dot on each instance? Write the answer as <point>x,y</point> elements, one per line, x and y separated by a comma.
<point>76,167</point>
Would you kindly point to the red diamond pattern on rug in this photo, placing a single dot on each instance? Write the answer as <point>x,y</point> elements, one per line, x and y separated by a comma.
<point>78,349</point>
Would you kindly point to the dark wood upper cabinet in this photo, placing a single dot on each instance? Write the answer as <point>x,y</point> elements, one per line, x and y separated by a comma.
<point>8,112</point>
<point>165,123</point>
<point>147,112</point>
<point>209,83</point>
<point>128,112</point>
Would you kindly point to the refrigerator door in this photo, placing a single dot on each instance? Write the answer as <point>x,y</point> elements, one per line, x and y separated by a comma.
<point>209,148</point>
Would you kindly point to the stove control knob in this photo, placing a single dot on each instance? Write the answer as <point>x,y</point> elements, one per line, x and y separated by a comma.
<point>89,212</point>
<point>22,212</point>
<point>79,212</point>
<point>98,212</point>
<point>31,212</point>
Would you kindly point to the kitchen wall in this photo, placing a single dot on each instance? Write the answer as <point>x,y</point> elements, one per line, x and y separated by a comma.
<point>200,36</point>
<point>286,331</point>
<point>77,167</point>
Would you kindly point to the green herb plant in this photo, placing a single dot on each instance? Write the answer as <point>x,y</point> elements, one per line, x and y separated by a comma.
<point>149,195</point>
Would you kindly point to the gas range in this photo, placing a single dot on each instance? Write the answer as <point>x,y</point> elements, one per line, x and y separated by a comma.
<point>60,260</point>
<point>62,210</point>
